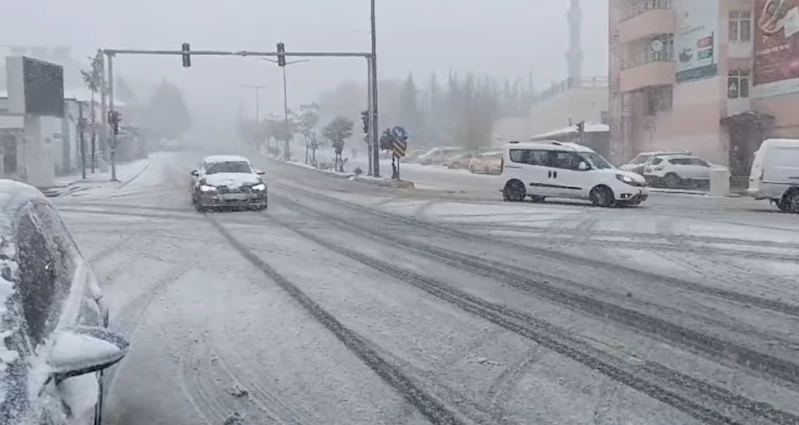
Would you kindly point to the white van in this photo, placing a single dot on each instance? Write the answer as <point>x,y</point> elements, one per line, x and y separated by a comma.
<point>544,169</point>
<point>775,173</point>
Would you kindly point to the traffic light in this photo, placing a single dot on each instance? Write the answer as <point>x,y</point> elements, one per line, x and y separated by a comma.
<point>186,56</point>
<point>581,127</point>
<point>281,58</point>
<point>365,119</point>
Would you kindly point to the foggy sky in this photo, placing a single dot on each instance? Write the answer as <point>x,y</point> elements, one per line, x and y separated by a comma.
<point>503,38</point>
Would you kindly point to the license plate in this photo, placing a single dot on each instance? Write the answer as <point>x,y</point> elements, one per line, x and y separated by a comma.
<point>234,197</point>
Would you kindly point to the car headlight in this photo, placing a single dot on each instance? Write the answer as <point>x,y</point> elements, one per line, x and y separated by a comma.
<point>206,188</point>
<point>625,179</point>
<point>259,187</point>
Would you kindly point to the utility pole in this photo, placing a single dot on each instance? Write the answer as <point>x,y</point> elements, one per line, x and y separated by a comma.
<point>281,62</point>
<point>257,100</point>
<point>375,126</point>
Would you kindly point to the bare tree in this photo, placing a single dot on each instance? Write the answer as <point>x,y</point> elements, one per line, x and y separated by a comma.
<point>93,78</point>
<point>338,131</point>
<point>307,122</point>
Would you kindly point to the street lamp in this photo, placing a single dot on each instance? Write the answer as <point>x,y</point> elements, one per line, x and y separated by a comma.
<point>285,95</point>
<point>257,100</point>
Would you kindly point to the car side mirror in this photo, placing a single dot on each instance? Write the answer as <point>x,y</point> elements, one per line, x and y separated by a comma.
<point>583,166</point>
<point>260,172</point>
<point>85,349</point>
<point>195,173</point>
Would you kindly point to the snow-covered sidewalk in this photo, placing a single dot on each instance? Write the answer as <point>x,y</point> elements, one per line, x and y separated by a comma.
<point>379,181</point>
<point>75,183</point>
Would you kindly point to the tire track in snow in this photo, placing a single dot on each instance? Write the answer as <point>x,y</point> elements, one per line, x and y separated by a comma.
<point>431,407</point>
<point>671,282</point>
<point>199,387</point>
<point>506,382</point>
<point>586,299</point>
<point>694,397</point>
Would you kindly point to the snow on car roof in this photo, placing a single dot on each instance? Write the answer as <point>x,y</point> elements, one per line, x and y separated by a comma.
<point>225,158</point>
<point>14,195</point>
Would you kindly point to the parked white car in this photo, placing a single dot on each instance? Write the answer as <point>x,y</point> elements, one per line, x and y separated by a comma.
<point>549,169</point>
<point>639,163</point>
<point>775,174</point>
<point>675,171</point>
<point>439,155</point>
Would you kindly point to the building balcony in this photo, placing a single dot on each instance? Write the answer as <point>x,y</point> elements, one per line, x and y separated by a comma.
<point>653,73</point>
<point>647,18</point>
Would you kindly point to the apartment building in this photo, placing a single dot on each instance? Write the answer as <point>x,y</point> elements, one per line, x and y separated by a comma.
<point>712,76</point>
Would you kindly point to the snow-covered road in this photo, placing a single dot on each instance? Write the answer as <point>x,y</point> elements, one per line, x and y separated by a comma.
<point>346,303</point>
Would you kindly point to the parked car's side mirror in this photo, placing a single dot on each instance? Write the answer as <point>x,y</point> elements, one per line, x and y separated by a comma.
<point>195,173</point>
<point>260,172</point>
<point>85,349</point>
<point>583,166</point>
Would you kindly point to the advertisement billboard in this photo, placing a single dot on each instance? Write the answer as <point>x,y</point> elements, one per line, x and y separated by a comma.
<point>44,88</point>
<point>696,43</point>
<point>776,45</point>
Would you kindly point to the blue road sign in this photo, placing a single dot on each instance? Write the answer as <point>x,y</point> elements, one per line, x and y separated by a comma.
<point>399,133</point>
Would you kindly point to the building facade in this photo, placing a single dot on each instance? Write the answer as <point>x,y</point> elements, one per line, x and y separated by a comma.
<point>714,76</point>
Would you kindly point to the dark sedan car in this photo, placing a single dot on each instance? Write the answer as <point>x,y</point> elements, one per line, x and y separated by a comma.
<point>228,181</point>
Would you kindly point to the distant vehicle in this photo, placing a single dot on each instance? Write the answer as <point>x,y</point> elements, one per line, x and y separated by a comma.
<point>56,341</point>
<point>675,171</point>
<point>438,155</point>
<point>486,163</point>
<point>413,155</point>
<point>460,161</point>
<point>639,163</point>
<point>227,181</point>
<point>545,169</point>
<point>775,174</point>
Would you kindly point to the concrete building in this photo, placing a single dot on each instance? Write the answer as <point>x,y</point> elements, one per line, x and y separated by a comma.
<point>703,76</point>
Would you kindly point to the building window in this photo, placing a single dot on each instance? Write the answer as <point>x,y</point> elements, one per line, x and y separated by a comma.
<point>738,84</point>
<point>633,8</point>
<point>740,22</point>
<point>658,99</point>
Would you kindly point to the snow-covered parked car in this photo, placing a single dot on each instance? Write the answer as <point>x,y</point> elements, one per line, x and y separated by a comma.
<point>676,171</point>
<point>55,342</point>
<point>228,181</point>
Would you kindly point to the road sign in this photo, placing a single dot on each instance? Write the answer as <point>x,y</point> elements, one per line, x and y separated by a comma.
<point>399,147</point>
<point>399,133</point>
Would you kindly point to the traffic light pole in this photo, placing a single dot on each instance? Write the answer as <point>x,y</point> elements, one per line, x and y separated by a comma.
<point>111,108</point>
<point>370,59</point>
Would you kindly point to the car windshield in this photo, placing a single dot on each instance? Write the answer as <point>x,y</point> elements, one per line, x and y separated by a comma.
<point>228,167</point>
<point>596,160</point>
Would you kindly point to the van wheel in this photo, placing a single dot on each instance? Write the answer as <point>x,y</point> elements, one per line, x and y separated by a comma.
<point>514,191</point>
<point>791,202</point>
<point>602,196</point>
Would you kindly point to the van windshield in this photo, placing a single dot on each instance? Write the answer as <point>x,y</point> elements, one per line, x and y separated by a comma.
<point>596,160</point>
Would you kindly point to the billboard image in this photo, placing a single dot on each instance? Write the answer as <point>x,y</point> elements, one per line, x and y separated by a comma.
<point>776,45</point>
<point>43,88</point>
<point>696,43</point>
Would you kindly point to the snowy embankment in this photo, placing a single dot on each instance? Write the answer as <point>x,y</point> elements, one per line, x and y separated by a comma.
<point>378,181</point>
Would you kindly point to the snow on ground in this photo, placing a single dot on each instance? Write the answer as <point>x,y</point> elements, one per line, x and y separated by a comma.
<point>330,312</point>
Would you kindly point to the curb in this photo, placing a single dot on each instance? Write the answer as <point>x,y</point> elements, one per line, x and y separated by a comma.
<point>130,180</point>
<point>401,184</point>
